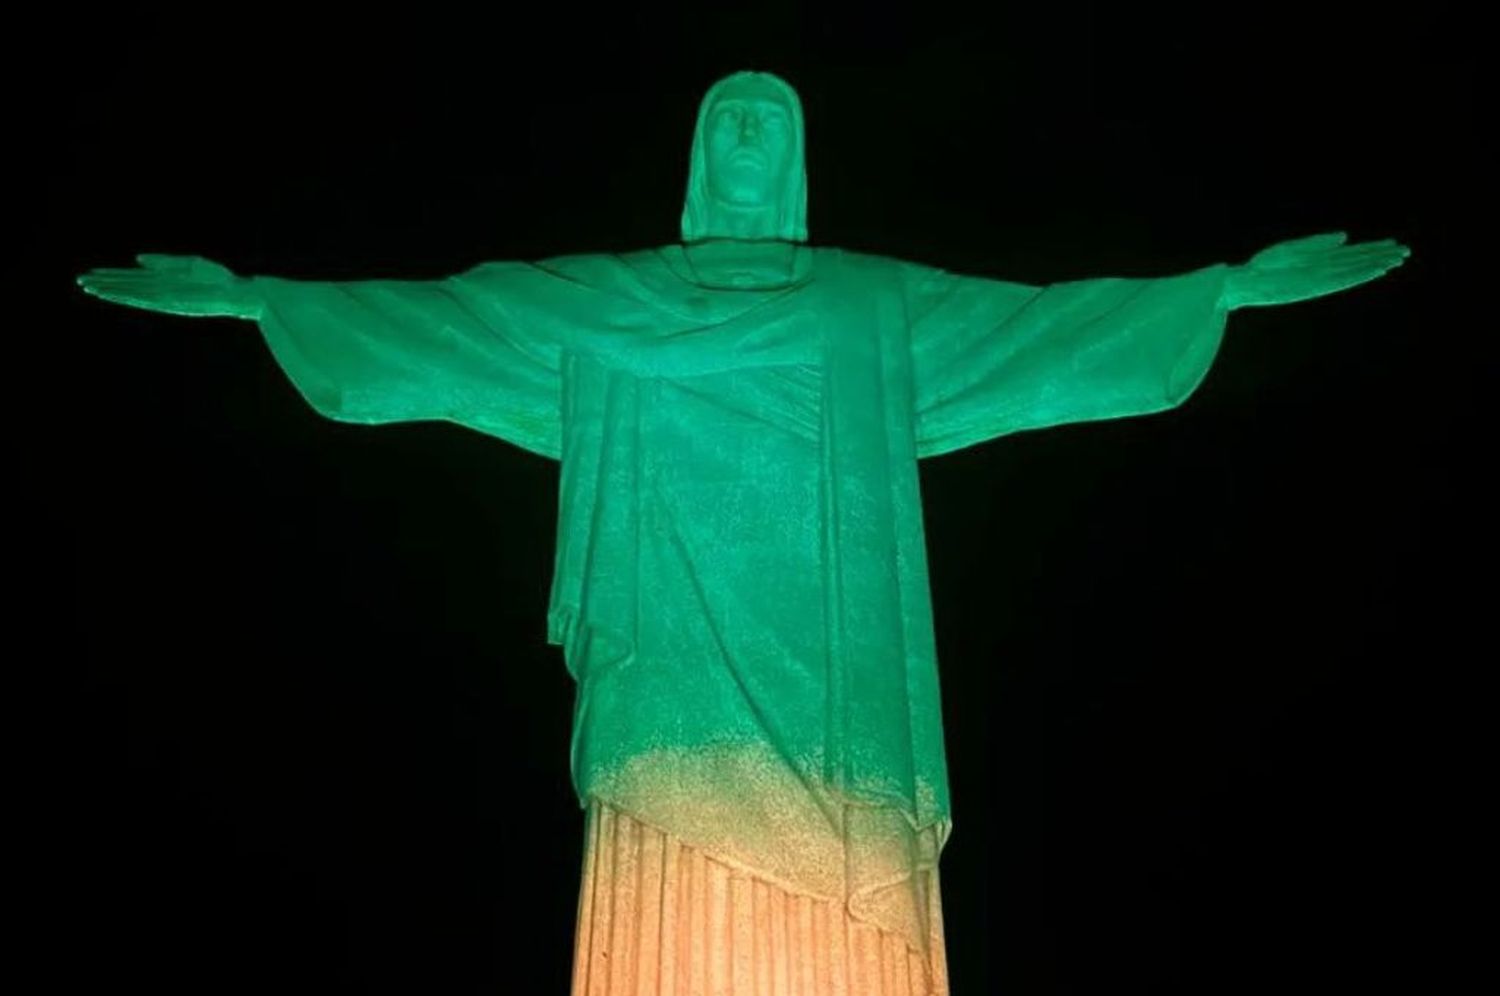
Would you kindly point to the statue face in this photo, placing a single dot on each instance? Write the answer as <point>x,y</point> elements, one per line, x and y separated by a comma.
<point>749,146</point>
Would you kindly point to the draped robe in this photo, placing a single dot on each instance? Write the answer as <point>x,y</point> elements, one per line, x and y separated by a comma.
<point>740,587</point>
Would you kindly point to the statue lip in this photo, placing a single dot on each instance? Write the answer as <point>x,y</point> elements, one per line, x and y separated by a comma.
<point>750,155</point>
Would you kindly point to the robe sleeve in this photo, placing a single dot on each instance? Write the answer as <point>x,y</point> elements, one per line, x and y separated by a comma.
<point>381,351</point>
<point>990,358</point>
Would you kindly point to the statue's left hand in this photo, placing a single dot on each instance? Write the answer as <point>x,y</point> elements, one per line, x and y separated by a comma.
<point>1312,267</point>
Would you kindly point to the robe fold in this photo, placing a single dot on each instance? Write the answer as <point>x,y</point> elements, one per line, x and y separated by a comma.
<point>740,586</point>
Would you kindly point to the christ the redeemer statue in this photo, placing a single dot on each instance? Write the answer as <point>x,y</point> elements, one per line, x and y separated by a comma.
<point>740,588</point>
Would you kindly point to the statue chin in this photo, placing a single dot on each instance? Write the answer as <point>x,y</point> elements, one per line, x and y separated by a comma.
<point>743,198</point>
<point>742,189</point>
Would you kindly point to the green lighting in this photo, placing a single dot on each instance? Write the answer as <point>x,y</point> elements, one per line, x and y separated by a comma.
<point>740,586</point>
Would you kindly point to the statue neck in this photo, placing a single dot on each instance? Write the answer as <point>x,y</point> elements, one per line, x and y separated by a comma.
<point>735,221</point>
<point>746,264</point>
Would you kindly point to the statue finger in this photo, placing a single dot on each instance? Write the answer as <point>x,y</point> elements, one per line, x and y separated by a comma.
<point>1354,255</point>
<point>1380,263</point>
<point>1378,257</point>
<point>1327,257</point>
<point>1295,250</point>
<point>117,296</point>
<point>1376,245</point>
<point>113,273</point>
<point>1354,276</point>
<point>144,290</point>
<point>207,269</point>
<point>128,279</point>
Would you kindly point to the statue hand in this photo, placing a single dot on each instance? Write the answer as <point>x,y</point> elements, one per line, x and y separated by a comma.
<point>177,285</point>
<point>1307,268</point>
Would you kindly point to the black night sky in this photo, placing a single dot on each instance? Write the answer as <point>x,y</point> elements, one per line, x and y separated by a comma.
<point>1203,672</point>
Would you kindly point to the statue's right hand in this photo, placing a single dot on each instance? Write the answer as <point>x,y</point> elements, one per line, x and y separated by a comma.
<point>178,285</point>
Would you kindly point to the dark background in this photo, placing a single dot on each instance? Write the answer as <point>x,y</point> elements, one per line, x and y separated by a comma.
<point>1204,672</point>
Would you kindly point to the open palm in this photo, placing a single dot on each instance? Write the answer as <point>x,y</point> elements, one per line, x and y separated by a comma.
<point>178,285</point>
<point>1311,267</point>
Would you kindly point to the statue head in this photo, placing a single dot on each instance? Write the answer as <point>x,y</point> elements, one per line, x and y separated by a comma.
<point>747,179</point>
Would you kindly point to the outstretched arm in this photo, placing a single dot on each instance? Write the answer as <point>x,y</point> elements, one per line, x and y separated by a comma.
<point>991,358</point>
<point>482,349</point>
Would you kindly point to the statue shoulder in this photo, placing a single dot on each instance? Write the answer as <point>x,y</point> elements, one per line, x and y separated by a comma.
<point>890,274</point>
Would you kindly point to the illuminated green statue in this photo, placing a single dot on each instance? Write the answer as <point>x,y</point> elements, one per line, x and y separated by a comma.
<point>740,587</point>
